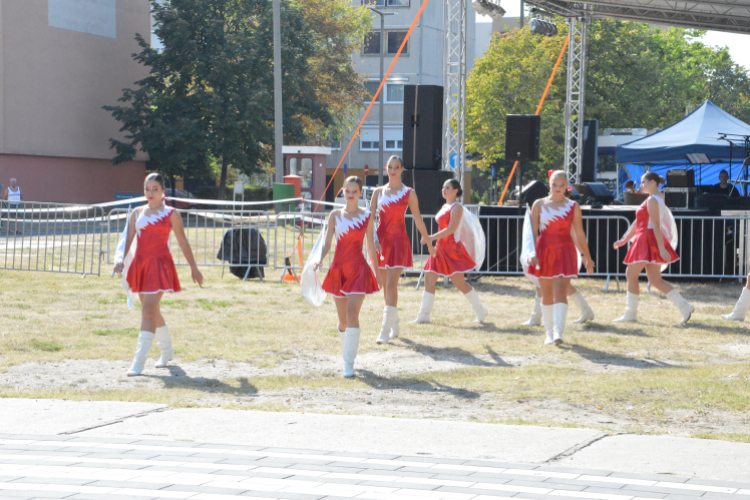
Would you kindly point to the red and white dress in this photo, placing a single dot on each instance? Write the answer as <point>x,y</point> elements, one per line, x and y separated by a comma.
<point>395,246</point>
<point>152,269</point>
<point>349,272</point>
<point>451,256</point>
<point>555,249</point>
<point>645,248</point>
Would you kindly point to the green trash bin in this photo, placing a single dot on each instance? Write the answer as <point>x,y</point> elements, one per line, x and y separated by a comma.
<point>284,192</point>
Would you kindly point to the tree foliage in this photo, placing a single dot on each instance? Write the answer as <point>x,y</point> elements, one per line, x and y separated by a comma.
<point>209,93</point>
<point>636,76</point>
<point>338,30</point>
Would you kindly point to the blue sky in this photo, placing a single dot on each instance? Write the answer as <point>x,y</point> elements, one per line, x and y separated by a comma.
<point>737,43</point>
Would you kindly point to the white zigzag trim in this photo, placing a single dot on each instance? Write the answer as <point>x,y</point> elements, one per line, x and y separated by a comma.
<point>343,225</point>
<point>145,220</point>
<point>548,215</point>
<point>385,200</point>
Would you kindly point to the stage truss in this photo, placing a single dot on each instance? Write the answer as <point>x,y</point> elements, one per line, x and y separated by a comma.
<point>454,78</point>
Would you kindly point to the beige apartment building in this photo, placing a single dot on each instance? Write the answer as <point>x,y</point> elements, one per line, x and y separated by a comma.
<point>60,62</point>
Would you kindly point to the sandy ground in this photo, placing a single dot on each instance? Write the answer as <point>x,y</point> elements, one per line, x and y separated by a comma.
<point>417,400</point>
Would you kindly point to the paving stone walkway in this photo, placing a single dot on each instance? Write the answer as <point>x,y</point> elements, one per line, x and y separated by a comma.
<point>99,468</point>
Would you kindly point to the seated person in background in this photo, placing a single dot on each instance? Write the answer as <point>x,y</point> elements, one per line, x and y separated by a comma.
<point>723,187</point>
<point>630,187</point>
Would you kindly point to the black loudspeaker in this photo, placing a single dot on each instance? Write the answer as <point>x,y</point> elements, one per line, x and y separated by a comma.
<point>423,129</point>
<point>532,192</point>
<point>522,137</point>
<point>599,191</point>
<point>682,178</point>
<point>429,186</point>
<point>590,158</point>
<point>680,198</point>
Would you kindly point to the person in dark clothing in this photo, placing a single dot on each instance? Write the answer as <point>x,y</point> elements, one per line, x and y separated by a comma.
<point>723,187</point>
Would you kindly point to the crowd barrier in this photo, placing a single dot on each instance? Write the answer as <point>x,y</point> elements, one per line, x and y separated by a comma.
<point>238,239</point>
<point>51,237</point>
<point>67,238</point>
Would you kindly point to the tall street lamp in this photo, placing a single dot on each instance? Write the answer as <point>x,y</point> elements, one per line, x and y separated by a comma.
<point>383,48</point>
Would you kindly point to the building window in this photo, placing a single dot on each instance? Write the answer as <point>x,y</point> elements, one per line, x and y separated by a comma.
<point>395,39</point>
<point>335,145</point>
<point>372,43</point>
<point>394,92</point>
<point>386,3</point>
<point>393,139</point>
<point>371,88</point>
<point>306,173</point>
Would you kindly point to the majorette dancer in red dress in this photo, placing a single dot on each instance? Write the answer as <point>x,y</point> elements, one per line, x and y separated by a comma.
<point>554,222</point>
<point>350,278</point>
<point>654,236</point>
<point>587,314</point>
<point>390,202</point>
<point>149,268</point>
<point>452,258</point>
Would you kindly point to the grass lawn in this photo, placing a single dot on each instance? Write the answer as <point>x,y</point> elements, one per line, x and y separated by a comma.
<point>261,345</point>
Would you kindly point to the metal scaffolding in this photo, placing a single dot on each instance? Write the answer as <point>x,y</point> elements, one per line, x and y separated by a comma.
<point>454,79</point>
<point>574,104</point>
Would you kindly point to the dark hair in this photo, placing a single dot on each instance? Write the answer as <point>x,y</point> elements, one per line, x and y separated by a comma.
<point>456,185</point>
<point>653,176</point>
<point>356,180</point>
<point>394,157</point>
<point>722,171</point>
<point>155,177</point>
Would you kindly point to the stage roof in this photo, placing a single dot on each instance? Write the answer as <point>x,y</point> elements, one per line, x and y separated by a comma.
<point>719,15</point>
<point>699,132</point>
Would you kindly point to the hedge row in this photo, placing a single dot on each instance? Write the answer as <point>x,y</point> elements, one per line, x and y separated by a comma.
<point>252,193</point>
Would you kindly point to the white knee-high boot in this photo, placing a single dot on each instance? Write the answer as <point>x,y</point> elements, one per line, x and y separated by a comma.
<point>685,308</point>
<point>631,309</point>
<point>428,302</point>
<point>536,316</point>
<point>549,323</point>
<point>165,345</point>
<point>740,308</point>
<point>560,313</point>
<point>587,314</point>
<point>145,339</point>
<point>476,304</point>
<point>342,336</point>
<point>395,327</point>
<point>389,316</point>
<point>351,345</point>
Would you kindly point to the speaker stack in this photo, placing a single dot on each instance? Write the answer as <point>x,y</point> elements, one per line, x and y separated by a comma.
<point>423,127</point>
<point>522,137</point>
<point>423,145</point>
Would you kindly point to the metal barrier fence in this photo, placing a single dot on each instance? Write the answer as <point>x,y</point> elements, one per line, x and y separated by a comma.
<point>504,235</point>
<point>51,237</point>
<point>226,238</point>
<point>711,247</point>
<point>296,234</point>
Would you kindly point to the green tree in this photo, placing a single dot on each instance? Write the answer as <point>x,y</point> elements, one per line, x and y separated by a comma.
<point>338,30</point>
<point>209,93</point>
<point>636,76</point>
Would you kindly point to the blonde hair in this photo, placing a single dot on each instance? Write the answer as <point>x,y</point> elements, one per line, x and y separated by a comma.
<point>556,174</point>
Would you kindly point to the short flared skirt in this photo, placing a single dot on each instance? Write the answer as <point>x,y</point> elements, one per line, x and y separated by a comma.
<point>350,278</point>
<point>558,260</point>
<point>153,274</point>
<point>395,250</point>
<point>451,257</point>
<point>645,249</point>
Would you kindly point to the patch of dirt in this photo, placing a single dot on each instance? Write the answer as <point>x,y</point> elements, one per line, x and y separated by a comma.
<point>413,399</point>
<point>100,374</point>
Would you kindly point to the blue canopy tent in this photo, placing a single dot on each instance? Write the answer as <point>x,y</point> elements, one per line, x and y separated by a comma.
<point>699,132</point>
